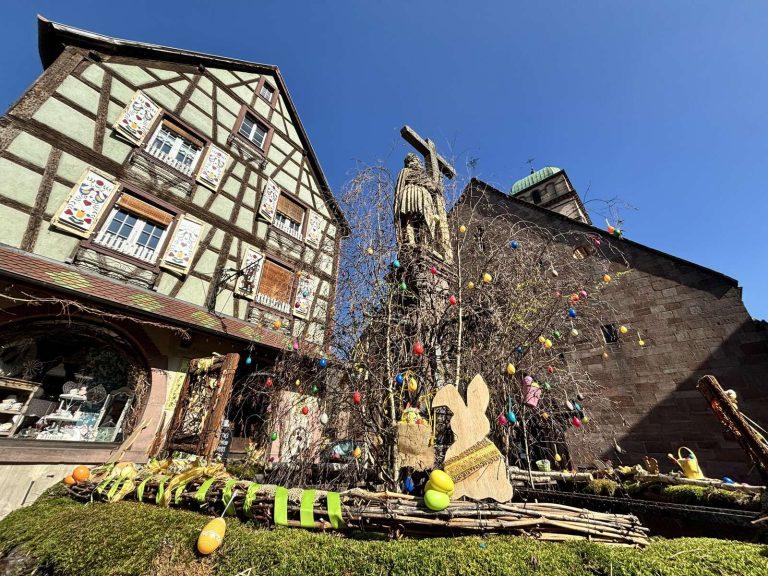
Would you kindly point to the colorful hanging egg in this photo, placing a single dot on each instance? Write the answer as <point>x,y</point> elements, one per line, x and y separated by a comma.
<point>69,480</point>
<point>357,452</point>
<point>574,332</point>
<point>323,363</point>
<point>574,298</point>
<point>550,369</point>
<point>542,339</point>
<point>211,536</point>
<point>487,278</point>
<point>641,342</point>
<point>315,389</point>
<point>462,229</point>
<point>295,344</point>
<point>409,485</point>
<point>605,355</point>
<point>268,382</point>
<point>623,329</point>
<point>502,420</point>
<point>413,385</point>
<point>547,343</point>
<point>572,312</point>
<point>528,380</point>
<point>569,404</point>
<point>323,418</point>
<point>576,422</point>
<point>81,473</point>
<point>418,348</point>
<point>298,382</point>
<point>304,410</point>
<point>470,285</point>
<point>433,270</point>
<point>606,278</point>
<point>577,406</point>
<point>558,458</point>
<point>357,397</point>
<point>514,245</point>
<point>277,324</point>
<point>547,386</point>
<point>248,361</point>
<point>556,334</point>
<point>441,481</point>
<point>611,229</point>
<point>273,436</point>
<point>583,294</point>
<point>585,420</point>
<point>399,379</point>
<point>519,349</point>
<point>452,300</point>
<point>511,369</point>
<point>396,263</point>
<point>436,500</point>
<point>370,251</point>
<point>545,415</point>
<point>511,417</point>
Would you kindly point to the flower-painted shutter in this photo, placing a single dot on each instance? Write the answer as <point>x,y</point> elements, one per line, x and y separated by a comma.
<point>305,295</point>
<point>183,244</point>
<point>269,198</point>
<point>136,120</point>
<point>212,167</point>
<point>315,226</point>
<point>86,203</point>
<point>251,266</point>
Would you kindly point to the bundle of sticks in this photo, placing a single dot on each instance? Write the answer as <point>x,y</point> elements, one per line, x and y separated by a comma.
<point>396,514</point>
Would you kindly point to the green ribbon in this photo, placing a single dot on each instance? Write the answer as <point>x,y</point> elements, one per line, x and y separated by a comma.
<point>307,511</point>
<point>250,496</point>
<point>226,496</point>
<point>114,488</point>
<point>178,493</point>
<point>140,489</point>
<point>334,510</point>
<point>281,506</point>
<point>104,483</point>
<point>203,490</point>
<point>160,490</point>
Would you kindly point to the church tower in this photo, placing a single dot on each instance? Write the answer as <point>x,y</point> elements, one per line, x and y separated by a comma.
<point>550,188</point>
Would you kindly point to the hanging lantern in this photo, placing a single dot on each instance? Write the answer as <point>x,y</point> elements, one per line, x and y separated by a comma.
<point>433,270</point>
<point>304,410</point>
<point>511,369</point>
<point>269,382</point>
<point>452,300</point>
<point>396,263</point>
<point>514,245</point>
<point>413,385</point>
<point>418,348</point>
<point>470,285</point>
<point>399,379</point>
<point>572,312</point>
<point>323,363</point>
<point>606,278</point>
<point>576,422</point>
<point>487,278</point>
<point>277,324</point>
<point>323,418</point>
<point>357,397</point>
<point>462,229</point>
<point>623,329</point>
<point>502,420</point>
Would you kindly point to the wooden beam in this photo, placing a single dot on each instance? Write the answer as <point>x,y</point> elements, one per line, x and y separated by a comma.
<point>425,148</point>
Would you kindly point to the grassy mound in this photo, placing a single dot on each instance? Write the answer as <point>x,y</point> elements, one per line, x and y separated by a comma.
<point>128,538</point>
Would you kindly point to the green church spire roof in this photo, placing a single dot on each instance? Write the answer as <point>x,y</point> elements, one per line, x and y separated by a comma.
<point>534,178</point>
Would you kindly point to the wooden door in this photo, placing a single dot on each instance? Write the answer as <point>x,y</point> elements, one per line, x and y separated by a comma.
<point>203,401</point>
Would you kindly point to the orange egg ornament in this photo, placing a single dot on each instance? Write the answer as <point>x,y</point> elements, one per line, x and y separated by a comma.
<point>211,536</point>
<point>69,481</point>
<point>81,474</point>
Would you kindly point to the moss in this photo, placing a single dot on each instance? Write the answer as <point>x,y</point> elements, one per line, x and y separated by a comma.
<point>601,487</point>
<point>127,538</point>
<point>693,495</point>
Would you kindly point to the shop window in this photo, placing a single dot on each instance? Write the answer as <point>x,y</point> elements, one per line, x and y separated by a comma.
<point>275,287</point>
<point>61,380</point>
<point>610,333</point>
<point>176,147</point>
<point>289,216</point>
<point>267,92</point>
<point>135,228</point>
<point>254,130</point>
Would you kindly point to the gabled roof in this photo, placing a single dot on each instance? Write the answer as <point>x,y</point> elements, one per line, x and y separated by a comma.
<point>484,187</point>
<point>53,37</point>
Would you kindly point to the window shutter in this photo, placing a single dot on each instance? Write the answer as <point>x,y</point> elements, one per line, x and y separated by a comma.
<point>212,167</point>
<point>183,244</point>
<point>144,209</point>
<point>251,266</point>
<point>138,117</point>
<point>315,227</point>
<point>269,200</point>
<point>305,295</point>
<point>86,203</point>
<point>276,282</point>
<point>291,209</point>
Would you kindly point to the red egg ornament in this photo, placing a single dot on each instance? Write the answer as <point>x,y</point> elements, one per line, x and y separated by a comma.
<point>357,397</point>
<point>550,369</point>
<point>576,421</point>
<point>503,420</point>
<point>452,300</point>
<point>433,270</point>
<point>268,383</point>
<point>304,410</point>
<point>418,348</point>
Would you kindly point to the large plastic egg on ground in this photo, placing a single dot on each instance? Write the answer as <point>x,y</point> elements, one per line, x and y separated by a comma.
<point>436,500</point>
<point>441,481</point>
<point>211,536</point>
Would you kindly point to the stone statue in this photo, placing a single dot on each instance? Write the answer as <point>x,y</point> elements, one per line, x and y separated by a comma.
<point>419,209</point>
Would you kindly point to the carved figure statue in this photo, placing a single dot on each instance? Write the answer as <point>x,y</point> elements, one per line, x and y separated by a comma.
<point>473,460</point>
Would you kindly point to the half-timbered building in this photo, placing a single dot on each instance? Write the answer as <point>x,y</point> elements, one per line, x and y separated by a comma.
<point>163,212</point>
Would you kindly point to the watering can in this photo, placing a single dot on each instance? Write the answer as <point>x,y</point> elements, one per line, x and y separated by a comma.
<point>688,464</point>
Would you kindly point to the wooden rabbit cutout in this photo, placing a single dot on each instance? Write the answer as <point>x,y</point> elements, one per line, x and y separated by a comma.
<point>477,466</point>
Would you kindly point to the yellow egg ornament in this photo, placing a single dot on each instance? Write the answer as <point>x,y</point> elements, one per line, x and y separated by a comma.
<point>623,329</point>
<point>487,278</point>
<point>547,343</point>
<point>357,452</point>
<point>511,369</point>
<point>436,501</point>
<point>211,536</point>
<point>370,251</point>
<point>470,285</point>
<point>542,339</point>
<point>440,481</point>
<point>641,342</point>
<point>558,458</point>
<point>462,229</point>
<point>606,278</point>
<point>413,385</point>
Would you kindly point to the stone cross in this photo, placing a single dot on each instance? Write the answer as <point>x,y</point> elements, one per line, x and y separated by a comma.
<point>436,164</point>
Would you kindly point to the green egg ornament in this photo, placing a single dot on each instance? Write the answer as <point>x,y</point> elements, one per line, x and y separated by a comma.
<point>436,501</point>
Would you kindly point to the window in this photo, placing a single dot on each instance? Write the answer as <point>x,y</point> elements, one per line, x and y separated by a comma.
<point>610,333</point>
<point>289,216</point>
<point>254,130</point>
<point>135,228</point>
<point>175,147</point>
<point>275,287</point>
<point>267,92</point>
<point>536,196</point>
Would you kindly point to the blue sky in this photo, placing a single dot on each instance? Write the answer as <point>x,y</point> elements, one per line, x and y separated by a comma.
<point>660,104</point>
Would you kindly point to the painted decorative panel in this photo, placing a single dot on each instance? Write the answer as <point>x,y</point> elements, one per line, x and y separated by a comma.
<point>315,225</point>
<point>183,244</point>
<point>251,265</point>
<point>86,203</point>
<point>137,118</point>
<point>305,295</point>
<point>269,198</point>
<point>212,167</point>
